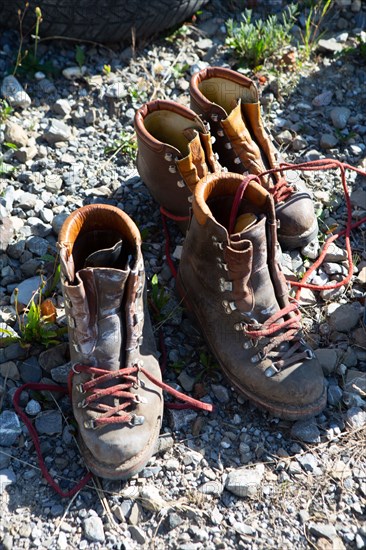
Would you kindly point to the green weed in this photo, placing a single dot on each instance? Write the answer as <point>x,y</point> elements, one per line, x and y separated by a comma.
<point>255,41</point>
<point>311,34</point>
<point>36,34</point>
<point>177,366</point>
<point>179,70</point>
<point>36,324</point>
<point>343,138</point>
<point>358,50</point>
<point>181,32</point>
<point>107,70</point>
<point>5,111</point>
<point>27,62</point>
<point>210,369</point>
<point>10,145</point>
<point>138,95</point>
<point>158,297</point>
<point>125,144</point>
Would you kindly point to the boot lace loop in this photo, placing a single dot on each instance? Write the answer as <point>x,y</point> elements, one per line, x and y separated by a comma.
<point>125,379</point>
<point>282,190</point>
<point>287,331</point>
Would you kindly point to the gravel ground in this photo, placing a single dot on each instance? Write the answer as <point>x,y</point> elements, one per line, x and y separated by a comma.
<point>235,478</point>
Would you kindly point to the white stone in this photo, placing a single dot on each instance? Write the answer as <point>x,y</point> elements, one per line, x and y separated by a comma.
<point>16,134</point>
<point>245,482</point>
<point>7,477</point>
<point>116,90</point>
<point>57,131</point>
<point>72,73</point>
<point>39,75</point>
<point>14,92</point>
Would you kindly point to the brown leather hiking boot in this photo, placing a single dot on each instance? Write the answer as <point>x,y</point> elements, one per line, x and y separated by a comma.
<point>228,101</point>
<point>174,153</point>
<point>116,403</point>
<point>230,278</point>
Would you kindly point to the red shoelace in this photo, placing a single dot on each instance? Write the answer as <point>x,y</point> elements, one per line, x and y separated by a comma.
<point>280,191</point>
<point>107,414</point>
<point>316,165</point>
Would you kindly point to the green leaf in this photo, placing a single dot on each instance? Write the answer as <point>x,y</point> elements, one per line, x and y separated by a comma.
<point>11,145</point>
<point>79,56</point>
<point>6,331</point>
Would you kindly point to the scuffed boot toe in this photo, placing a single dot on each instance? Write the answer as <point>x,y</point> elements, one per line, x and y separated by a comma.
<point>298,225</point>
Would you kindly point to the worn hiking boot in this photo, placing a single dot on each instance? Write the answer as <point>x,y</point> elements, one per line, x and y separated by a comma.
<point>174,153</point>
<point>116,399</point>
<point>230,278</point>
<point>228,101</point>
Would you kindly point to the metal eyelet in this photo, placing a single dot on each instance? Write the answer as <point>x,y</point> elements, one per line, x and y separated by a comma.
<point>71,321</point>
<point>168,157</point>
<point>220,133</point>
<point>139,399</point>
<point>222,264</point>
<point>248,344</point>
<point>136,420</point>
<point>190,198</point>
<point>181,183</point>
<point>140,339</point>
<point>89,424</point>
<point>237,160</point>
<point>238,327</point>
<point>258,357</point>
<point>214,117</point>
<point>172,169</point>
<point>76,347</point>
<point>309,354</point>
<point>79,388</point>
<point>213,139</point>
<point>229,307</point>
<point>271,371</point>
<point>225,285</point>
<point>219,245</point>
<point>228,145</point>
<point>82,404</point>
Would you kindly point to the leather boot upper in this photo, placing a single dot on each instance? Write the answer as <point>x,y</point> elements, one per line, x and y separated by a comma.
<point>231,279</point>
<point>103,282</point>
<point>174,153</point>
<point>228,101</point>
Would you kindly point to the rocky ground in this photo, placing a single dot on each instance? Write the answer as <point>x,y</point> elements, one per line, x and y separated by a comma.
<point>235,478</point>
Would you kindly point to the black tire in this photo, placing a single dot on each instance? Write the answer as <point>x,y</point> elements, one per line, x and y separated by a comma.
<point>99,20</point>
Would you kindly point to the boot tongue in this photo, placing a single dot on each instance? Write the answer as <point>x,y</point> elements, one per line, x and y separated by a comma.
<point>115,257</point>
<point>242,142</point>
<point>194,166</point>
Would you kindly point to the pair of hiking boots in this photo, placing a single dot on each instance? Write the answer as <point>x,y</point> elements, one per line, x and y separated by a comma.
<point>229,276</point>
